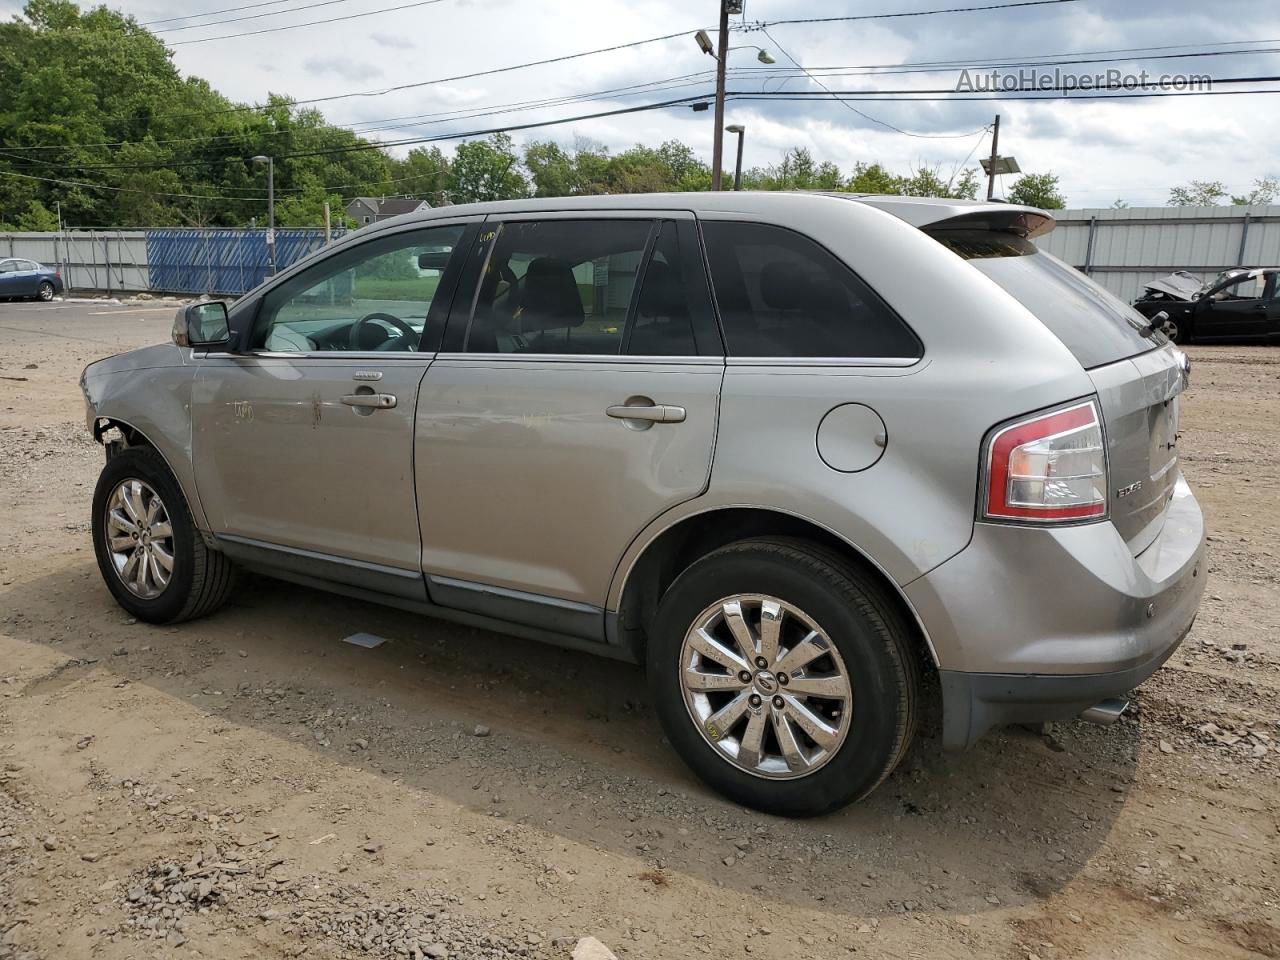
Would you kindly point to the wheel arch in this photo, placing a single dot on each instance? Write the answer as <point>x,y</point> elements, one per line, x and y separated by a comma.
<point>133,436</point>
<point>640,584</point>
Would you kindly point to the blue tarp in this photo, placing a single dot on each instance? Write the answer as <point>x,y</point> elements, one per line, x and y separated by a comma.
<point>221,261</point>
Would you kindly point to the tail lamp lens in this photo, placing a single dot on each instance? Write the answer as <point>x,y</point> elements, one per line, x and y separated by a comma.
<point>1051,467</point>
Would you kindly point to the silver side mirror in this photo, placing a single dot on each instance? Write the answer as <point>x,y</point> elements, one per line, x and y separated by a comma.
<point>202,325</point>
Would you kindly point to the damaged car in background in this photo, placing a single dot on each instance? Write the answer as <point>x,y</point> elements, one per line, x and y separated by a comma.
<point>1237,305</point>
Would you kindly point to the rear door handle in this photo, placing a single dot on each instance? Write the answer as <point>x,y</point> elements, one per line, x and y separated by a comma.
<point>650,413</point>
<point>370,401</point>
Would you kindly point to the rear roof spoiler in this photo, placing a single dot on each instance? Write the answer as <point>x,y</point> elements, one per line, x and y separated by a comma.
<point>933,214</point>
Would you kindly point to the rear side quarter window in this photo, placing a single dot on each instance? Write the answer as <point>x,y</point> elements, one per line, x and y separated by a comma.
<point>781,294</point>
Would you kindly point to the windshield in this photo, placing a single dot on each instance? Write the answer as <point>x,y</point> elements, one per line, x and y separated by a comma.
<point>1097,327</point>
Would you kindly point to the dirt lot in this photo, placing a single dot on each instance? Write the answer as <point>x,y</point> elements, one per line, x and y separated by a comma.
<point>249,786</point>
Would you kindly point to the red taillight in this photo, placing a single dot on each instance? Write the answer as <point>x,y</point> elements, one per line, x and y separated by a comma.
<point>1050,467</point>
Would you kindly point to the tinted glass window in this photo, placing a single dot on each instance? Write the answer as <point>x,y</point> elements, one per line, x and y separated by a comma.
<point>782,295</point>
<point>663,325</point>
<point>1095,326</point>
<point>8,266</point>
<point>558,286</point>
<point>375,296</point>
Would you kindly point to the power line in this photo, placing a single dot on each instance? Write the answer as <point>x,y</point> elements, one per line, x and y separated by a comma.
<point>252,16</point>
<point>102,186</point>
<point>907,13</point>
<point>212,13</point>
<point>309,23</point>
<point>867,116</point>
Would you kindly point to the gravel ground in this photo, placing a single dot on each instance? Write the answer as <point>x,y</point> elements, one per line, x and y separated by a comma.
<point>249,786</point>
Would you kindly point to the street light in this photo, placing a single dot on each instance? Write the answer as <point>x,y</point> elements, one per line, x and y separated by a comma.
<point>271,209</point>
<point>740,130</point>
<point>721,53</point>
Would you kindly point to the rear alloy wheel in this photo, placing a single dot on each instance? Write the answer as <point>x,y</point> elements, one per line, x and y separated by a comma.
<point>765,686</point>
<point>46,291</point>
<point>784,676</point>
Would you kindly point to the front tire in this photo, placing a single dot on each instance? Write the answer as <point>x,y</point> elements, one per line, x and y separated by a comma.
<point>149,552</point>
<point>784,676</point>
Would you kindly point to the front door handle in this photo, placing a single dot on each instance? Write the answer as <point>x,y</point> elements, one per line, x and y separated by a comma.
<point>650,413</point>
<point>370,401</point>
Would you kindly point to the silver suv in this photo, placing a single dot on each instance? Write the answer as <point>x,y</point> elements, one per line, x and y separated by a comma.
<point>799,455</point>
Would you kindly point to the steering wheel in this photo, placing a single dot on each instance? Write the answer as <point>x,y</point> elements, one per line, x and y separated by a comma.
<point>353,337</point>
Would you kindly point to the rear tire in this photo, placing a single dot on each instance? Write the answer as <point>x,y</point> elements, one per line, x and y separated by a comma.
<point>867,669</point>
<point>45,292</point>
<point>127,522</point>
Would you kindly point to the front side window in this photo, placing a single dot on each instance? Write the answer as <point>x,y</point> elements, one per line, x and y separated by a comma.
<point>780,294</point>
<point>558,287</point>
<point>8,266</point>
<point>373,297</point>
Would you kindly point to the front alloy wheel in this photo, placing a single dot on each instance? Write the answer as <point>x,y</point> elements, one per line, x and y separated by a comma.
<point>765,686</point>
<point>140,539</point>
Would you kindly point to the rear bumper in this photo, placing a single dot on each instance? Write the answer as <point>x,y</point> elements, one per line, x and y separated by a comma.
<point>1041,624</point>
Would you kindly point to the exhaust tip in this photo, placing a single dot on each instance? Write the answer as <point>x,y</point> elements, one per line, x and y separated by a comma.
<point>1106,712</point>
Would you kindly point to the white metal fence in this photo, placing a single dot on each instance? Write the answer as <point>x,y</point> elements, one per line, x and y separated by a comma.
<point>1123,249</point>
<point>112,261</point>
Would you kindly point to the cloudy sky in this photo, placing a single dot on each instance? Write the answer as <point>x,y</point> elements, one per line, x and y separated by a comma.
<point>1103,151</point>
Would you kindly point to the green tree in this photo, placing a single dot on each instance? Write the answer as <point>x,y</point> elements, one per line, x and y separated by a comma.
<point>1198,193</point>
<point>486,170</point>
<point>1265,190</point>
<point>1038,190</point>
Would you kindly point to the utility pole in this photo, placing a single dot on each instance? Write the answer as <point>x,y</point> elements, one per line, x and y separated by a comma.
<point>328,223</point>
<point>270,163</point>
<point>722,54</point>
<point>995,156</point>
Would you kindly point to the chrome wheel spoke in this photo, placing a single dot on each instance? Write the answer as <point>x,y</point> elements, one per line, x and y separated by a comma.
<point>791,752</point>
<point>161,531</point>
<point>737,622</point>
<point>833,687</point>
<point>818,730</point>
<point>751,746</point>
<point>121,544</point>
<point>116,519</point>
<point>708,646</point>
<point>131,497</point>
<point>770,627</point>
<point>730,713</point>
<point>158,576</point>
<point>164,559</point>
<point>806,651</point>
<point>744,669</point>
<point>697,680</point>
<point>129,572</point>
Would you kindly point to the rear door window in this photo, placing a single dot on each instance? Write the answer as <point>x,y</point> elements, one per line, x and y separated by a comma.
<point>559,287</point>
<point>780,294</point>
<point>1097,327</point>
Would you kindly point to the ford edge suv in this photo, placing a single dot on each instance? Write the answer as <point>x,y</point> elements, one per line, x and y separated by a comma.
<point>791,452</point>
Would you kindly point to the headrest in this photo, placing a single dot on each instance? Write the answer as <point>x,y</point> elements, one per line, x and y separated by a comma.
<point>549,297</point>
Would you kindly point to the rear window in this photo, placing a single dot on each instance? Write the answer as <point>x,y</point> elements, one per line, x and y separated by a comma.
<point>782,295</point>
<point>1095,326</point>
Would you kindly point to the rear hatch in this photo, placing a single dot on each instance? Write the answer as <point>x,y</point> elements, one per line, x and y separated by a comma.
<point>1138,374</point>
